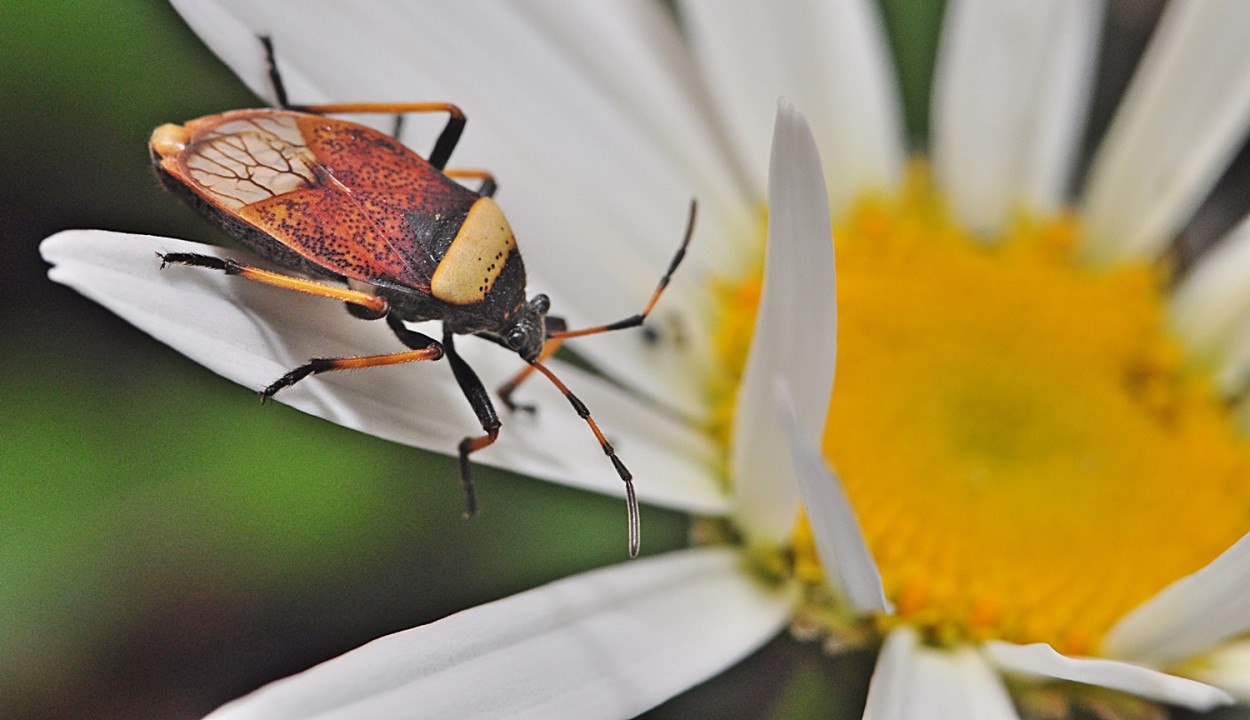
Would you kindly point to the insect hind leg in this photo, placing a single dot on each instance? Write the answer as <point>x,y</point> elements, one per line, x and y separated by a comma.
<point>443,147</point>
<point>275,77</point>
<point>365,305</point>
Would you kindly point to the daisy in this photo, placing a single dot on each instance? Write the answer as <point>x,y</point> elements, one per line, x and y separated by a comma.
<point>1040,492</point>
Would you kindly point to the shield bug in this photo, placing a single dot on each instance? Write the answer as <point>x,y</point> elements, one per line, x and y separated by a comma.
<point>356,216</point>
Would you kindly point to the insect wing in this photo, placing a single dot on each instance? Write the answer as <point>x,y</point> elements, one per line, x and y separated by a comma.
<point>343,196</point>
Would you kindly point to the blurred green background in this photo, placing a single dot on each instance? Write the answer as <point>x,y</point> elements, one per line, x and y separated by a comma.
<point>167,544</point>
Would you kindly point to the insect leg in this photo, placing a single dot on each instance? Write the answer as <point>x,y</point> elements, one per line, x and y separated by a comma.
<point>636,320</point>
<point>631,501</point>
<point>447,139</point>
<point>421,347</point>
<point>442,147</point>
<point>275,77</point>
<point>371,306</point>
<point>479,400</point>
<point>488,186</point>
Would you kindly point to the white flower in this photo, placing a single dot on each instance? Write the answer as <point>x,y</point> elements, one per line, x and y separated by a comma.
<point>601,122</point>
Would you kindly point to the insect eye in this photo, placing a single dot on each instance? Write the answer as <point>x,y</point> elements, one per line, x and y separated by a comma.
<point>541,304</point>
<point>516,338</point>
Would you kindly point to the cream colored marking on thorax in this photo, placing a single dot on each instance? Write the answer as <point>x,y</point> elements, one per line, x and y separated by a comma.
<point>247,160</point>
<point>476,257</point>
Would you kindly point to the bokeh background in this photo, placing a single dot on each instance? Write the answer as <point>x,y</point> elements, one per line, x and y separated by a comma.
<point>166,543</point>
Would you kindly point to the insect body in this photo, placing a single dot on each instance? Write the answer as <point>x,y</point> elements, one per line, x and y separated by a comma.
<point>361,218</point>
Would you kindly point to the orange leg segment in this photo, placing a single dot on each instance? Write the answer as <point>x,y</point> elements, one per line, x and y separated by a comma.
<point>488,186</point>
<point>373,305</point>
<point>446,140</point>
<point>420,347</point>
<point>317,366</point>
<point>442,147</point>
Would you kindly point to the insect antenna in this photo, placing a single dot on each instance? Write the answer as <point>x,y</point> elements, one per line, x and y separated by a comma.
<point>631,501</point>
<point>639,318</point>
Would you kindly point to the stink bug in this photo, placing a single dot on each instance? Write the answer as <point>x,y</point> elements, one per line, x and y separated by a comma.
<point>358,217</point>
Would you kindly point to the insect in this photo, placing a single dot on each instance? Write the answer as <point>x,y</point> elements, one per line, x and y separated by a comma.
<point>358,217</point>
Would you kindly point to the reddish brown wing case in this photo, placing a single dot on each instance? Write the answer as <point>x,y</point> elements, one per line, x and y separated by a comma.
<point>343,196</point>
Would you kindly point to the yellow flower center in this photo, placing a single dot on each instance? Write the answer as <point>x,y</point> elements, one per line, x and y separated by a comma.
<point>1028,454</point>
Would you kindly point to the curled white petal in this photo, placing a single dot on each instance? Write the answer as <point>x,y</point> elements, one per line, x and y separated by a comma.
<point>253,334</point>
<point>1191,615</point>
<point>1148,683</point>
<point>1227,668</point>
<point>1177,129</point>
<point>839,541</point>
<point>795,334</point>
<point>610,643</point>
<point>912,682</point>
<point>1011,89</point>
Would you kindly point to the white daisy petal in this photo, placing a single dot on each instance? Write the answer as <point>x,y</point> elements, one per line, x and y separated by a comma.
<point>839,541</point>
<point>1144,682</point>
<point>1189,616</point>
<point>1209,307</point>
<point>1227,668</point>
<point>252,334</point>
<point>1011,89</point>
<point>829,58</point>
<point>887,691</point>
<point>1177,129</point>
<point>957,684</point>
<point>639,56</point>
<point>606,644</point>
<point>578,149</point>
<point>912,682</point>
<point>795,334</point>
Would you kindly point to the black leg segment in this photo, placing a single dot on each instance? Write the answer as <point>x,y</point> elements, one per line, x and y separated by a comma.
<point>275,77</point>
<point>479,400</point>
<point>447,139</point>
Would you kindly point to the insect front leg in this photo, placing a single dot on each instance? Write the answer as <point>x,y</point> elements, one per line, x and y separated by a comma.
<point>421,347</point>
<point>479,400</point>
